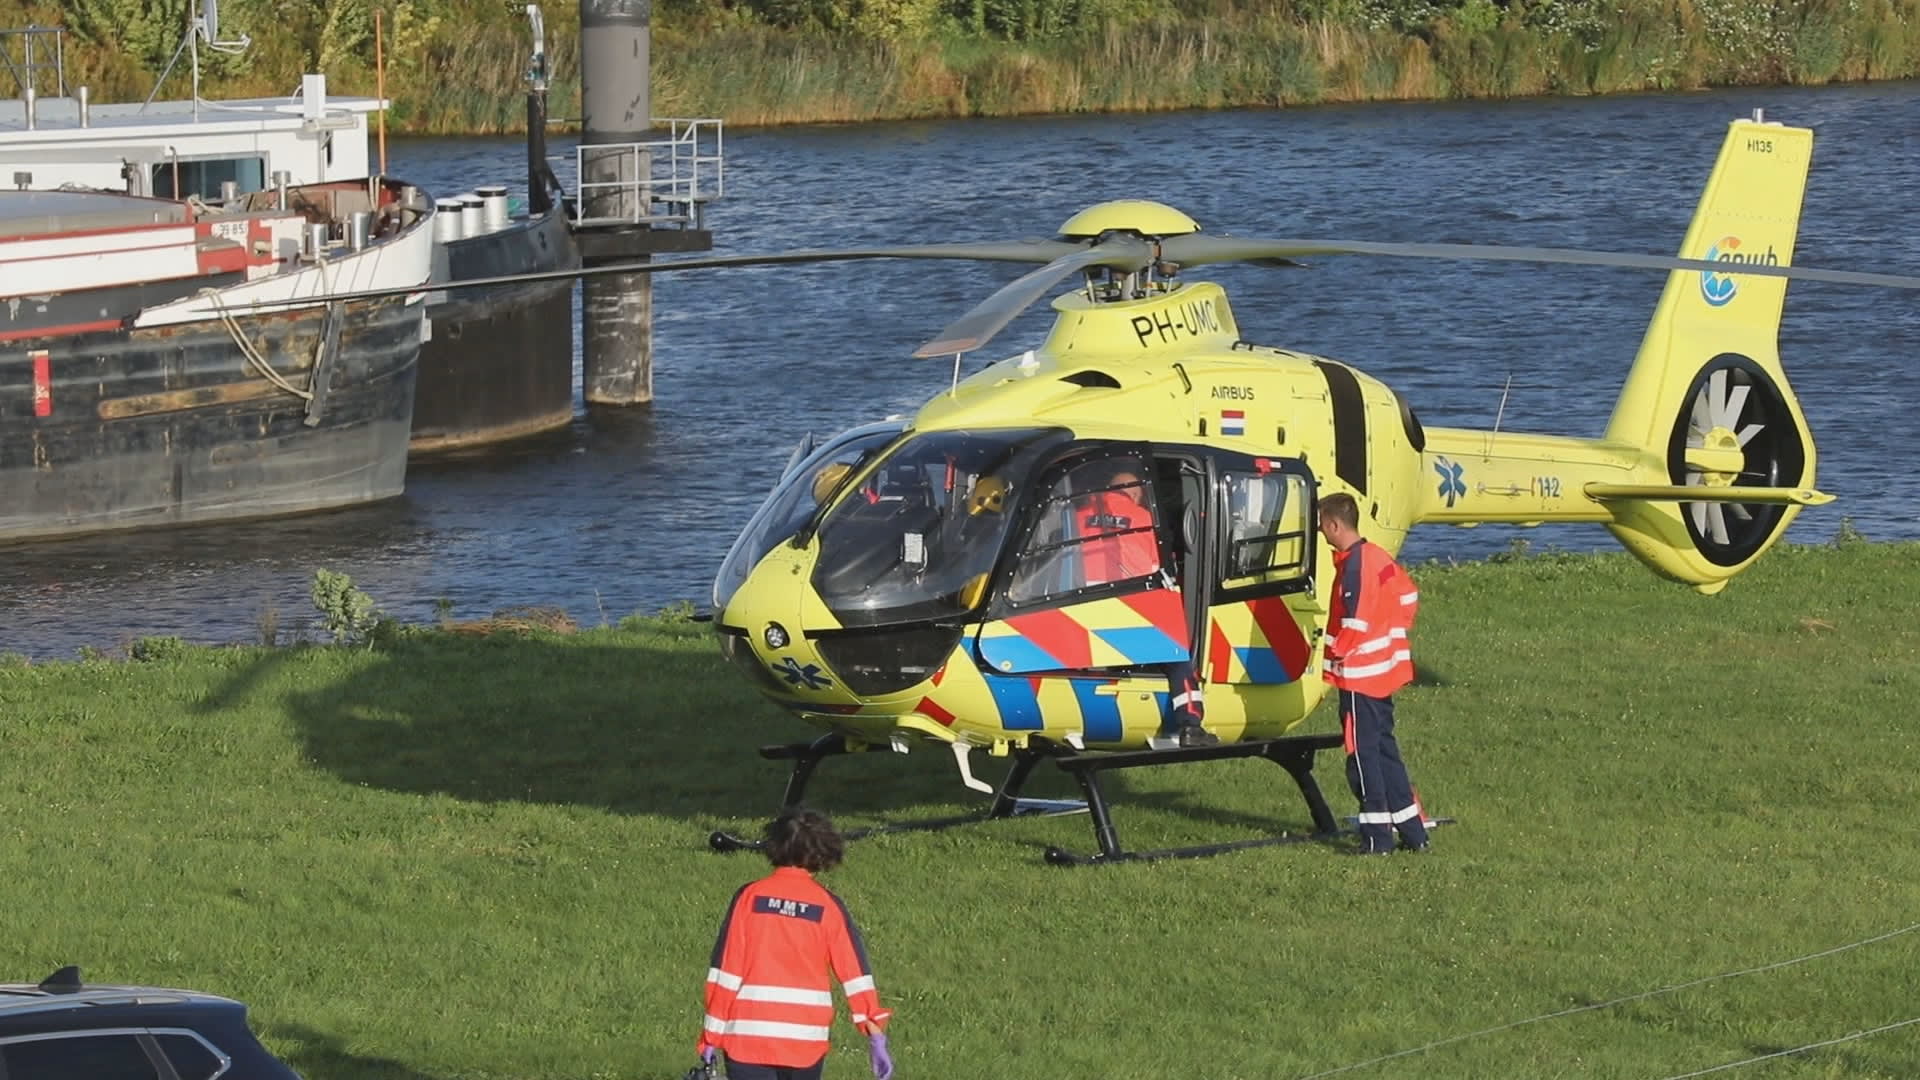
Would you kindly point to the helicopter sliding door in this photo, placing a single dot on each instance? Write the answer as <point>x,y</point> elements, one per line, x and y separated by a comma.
<point>1086,604</point>
<point>1261,597</point>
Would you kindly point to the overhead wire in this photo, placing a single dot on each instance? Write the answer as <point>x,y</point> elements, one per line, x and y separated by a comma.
<point>1451,1039</point>
<point>1797,1049</point>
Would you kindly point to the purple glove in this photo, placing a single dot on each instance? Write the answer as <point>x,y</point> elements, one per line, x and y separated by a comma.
<point>877,1055</point>
<point>708,1053</point>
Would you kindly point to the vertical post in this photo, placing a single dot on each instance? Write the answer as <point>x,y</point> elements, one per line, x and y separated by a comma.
<point>616,108</point>
<point>380,88</point>
<point>193,51</point>
<point>539,199</point>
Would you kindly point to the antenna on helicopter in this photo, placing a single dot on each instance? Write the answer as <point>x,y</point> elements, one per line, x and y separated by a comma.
<point>1505,388</point>
<point>205,25</point>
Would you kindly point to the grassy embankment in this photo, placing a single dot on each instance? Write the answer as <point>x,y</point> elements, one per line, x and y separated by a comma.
<point>460,857</point>
<point>454,66</point>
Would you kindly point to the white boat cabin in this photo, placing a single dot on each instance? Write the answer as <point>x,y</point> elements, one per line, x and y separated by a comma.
<point>177,149</point>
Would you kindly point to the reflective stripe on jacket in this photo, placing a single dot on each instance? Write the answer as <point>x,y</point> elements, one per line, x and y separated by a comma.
<point>769,1001</point>
<point>1374,603</point>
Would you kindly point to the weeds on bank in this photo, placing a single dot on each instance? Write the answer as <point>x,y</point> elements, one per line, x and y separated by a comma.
<point>778,61</point>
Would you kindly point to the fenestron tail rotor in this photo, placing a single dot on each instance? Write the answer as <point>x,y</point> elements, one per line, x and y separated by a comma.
<point>1736,431</point>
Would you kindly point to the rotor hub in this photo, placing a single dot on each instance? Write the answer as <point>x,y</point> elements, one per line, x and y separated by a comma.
<point>1718,459</point>
<point>1140,217</point>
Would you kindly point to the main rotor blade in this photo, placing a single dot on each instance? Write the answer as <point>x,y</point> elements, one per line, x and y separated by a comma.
<point>1199,249</point>
<point>1033,251</point>
<point>977,327</point>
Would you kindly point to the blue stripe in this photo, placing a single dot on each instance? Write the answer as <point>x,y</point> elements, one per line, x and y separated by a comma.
<point>1143,644</point>
<point>1019,706</point>
<point>1016,653</point>
<point>1099,713</point>
<point>1262,665</point>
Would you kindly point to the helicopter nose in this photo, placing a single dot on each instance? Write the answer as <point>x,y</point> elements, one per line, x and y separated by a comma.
<point>763,632</point>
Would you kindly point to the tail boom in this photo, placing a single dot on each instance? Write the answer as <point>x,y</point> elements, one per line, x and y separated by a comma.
<point>1707,457</point>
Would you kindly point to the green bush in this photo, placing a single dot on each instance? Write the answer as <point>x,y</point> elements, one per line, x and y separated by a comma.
<point>349,614</point>
<point>158,649</point>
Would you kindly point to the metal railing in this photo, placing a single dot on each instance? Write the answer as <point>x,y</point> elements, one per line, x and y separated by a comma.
<point>25,72</point>
<point>656,182</point>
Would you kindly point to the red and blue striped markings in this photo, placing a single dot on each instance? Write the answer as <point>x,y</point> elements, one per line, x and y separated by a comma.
<point>1064,639</point>
<point>1280,657</point>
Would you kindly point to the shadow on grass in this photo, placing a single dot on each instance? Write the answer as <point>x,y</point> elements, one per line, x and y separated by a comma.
<point>643,723</point>
<point>646,723</point>
<point>322,1055</point>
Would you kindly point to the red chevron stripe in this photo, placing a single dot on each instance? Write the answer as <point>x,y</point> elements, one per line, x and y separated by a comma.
<point>927,707</point>
<point>1164,610</point>
<point>1059,633</point>
<point>1283,634</point>
<point>1218,653</point>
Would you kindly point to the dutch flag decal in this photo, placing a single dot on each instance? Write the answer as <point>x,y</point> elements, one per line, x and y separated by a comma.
<point>1233,422</point>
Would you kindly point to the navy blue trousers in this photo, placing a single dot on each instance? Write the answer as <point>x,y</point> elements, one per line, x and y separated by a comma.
<point>1183,679</point>
<point>740,1070</point>
<point>1377,775</point>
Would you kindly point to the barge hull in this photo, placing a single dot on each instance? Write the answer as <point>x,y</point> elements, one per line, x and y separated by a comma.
<point>174,425</point>
<point>499,362</point>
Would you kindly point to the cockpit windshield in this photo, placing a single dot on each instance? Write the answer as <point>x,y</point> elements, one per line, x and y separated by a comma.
<point>918,537</point>
<point>795,498</point>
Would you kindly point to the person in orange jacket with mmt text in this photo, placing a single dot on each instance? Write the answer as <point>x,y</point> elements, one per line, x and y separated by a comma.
<point>1369,657</point>
<point>769,1003</point>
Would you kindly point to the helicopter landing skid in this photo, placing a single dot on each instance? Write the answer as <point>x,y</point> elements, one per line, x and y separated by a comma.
<point>806,757</point>
<point>1293,753</point>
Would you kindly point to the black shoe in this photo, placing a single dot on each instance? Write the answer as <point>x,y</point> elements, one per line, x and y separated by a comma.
<point>1195,735</point>
<point>1420,848</point>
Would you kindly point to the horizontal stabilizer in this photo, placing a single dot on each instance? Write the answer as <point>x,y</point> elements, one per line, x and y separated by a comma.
<point>1704,493</point>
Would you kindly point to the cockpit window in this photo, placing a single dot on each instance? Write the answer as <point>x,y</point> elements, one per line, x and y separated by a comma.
<point>796,497</point>
<point>917,534</point>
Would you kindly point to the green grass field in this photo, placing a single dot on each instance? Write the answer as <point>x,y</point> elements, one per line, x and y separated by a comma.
<point>485,857</point>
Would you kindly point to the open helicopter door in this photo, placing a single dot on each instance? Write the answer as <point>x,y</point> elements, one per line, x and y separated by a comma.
<point>1263,620</point>
<point>1086,612</point>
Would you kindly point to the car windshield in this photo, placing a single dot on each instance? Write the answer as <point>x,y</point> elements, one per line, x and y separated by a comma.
<point>795,498</point>
<point>917,535</point>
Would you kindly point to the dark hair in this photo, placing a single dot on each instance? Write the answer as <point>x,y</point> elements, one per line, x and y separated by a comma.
<point>1340,507</point>
<point>804,838</point>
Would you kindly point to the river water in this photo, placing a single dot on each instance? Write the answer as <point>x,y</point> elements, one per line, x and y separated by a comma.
<point>631,510</point>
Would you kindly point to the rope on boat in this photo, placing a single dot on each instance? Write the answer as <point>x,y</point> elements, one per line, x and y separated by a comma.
<point>258,362</point>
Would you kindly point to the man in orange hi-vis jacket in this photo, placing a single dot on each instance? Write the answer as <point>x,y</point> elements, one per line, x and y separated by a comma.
<point>769,1002</point>
<point>1368,658</point>
<point>1124,546</point>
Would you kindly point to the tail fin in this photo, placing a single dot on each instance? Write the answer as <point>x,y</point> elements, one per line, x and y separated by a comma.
<point>1707,391</point>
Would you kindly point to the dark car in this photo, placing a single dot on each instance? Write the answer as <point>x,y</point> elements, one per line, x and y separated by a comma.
<point>62,1029</point>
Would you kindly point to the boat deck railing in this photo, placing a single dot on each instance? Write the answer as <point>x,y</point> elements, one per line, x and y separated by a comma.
<point>26,71</point>
<point>657,182</point>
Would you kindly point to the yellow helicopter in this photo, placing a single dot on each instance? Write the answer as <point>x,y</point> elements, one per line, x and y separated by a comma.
<point>928,579</point>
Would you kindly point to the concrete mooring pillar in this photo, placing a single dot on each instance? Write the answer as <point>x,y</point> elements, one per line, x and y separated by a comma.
<point>616,108</point>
